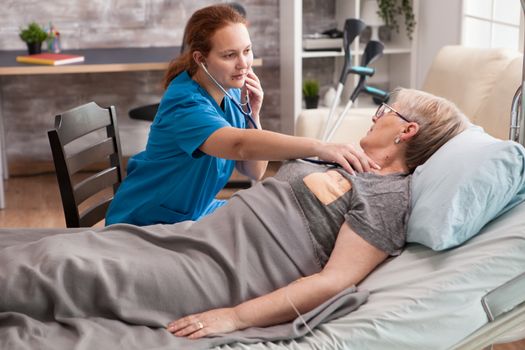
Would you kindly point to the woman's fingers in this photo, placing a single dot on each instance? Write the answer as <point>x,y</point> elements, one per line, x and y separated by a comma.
<point>346,165</point>
<point>256,93</point>
<point>255,89</point>
<point>354,162</point>
<point>185,326</point>
<point>252,80</point>
<point>192,328</point>
<point>253,76</point>
<point>203,324</point>
<point>360,161</point>
<point>349,158</point>
<point>254,86</point>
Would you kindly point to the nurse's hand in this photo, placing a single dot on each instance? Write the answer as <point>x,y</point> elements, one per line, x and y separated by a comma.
<point>348,157</point>
<point>255,92</point>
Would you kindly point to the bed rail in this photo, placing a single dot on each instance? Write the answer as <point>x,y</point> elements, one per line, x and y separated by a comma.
<point>504,298</point>
<point>515,117</point>
<point>520,120</point>
<point>493,331</point>
<point>505,309</point>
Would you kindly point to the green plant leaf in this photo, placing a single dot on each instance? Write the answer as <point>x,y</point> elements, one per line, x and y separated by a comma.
<point>389,10</point>
<point>33,33</point>
<point>310,87</point>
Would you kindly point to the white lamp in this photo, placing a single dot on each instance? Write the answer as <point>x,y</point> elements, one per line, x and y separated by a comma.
<point>371,18</point>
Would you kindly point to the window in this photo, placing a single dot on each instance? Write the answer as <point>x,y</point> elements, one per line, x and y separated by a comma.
<point>492,23</point>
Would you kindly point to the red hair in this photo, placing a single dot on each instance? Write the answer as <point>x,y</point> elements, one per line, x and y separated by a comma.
<point>199,30</point>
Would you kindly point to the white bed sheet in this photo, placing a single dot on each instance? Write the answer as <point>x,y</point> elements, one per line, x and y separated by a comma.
<point>425,299</point>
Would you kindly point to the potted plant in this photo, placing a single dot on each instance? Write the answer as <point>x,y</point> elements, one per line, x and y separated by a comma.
<point>389,11</point>
<point>33,35</point>
<point>311,93</point>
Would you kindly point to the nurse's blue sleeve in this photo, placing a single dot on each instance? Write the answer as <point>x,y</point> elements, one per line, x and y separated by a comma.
<point>189,123</point>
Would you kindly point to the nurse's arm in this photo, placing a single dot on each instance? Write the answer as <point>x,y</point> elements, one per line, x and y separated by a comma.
<point>253,144</point>
<point>254,169</point>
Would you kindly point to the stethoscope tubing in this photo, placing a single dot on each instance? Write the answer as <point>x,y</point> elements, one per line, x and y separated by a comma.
<point>321,162</point>
<point>247,114</point>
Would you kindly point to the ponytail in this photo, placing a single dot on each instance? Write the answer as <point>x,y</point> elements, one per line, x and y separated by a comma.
<point>182,63</point>
<point>199,30</point>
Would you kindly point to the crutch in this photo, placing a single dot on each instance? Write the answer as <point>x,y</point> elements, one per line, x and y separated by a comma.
<point>353,27</point>
<point>373,50</point>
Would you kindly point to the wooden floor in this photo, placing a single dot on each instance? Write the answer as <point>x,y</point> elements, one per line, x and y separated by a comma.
<point>34,201</point>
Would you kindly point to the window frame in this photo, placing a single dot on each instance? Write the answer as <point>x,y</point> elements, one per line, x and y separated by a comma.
<point>492,22</point>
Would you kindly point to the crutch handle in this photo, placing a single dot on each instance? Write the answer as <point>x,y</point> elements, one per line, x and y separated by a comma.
<point>362,70</point>
<point>375,92</point>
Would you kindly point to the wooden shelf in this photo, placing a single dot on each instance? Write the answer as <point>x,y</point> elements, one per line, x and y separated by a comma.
<point>317,54</point>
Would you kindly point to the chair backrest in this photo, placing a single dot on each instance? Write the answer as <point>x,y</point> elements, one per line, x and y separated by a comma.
<point>83,137</point>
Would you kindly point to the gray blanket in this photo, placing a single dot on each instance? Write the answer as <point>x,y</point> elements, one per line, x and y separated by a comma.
<point>118,287</point>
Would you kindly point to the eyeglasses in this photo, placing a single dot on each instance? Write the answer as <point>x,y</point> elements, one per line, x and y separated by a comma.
<point>385,109</point>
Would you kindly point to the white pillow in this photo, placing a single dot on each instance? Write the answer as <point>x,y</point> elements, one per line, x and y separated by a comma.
<point>469,181</point>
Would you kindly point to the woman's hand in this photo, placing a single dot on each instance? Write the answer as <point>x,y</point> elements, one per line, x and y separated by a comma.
<point>253,88</point>
<point>348,157</point>
<point>210,322</point>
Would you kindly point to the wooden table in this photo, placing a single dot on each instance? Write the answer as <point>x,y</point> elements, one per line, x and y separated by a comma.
<point>106,60</point>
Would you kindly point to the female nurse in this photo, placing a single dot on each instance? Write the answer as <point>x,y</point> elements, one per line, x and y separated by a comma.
<point>200,135</point>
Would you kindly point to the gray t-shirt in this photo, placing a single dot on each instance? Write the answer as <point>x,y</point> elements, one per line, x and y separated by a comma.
<point>375,206</point>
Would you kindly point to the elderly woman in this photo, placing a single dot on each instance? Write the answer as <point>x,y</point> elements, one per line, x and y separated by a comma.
<point>316,226</point>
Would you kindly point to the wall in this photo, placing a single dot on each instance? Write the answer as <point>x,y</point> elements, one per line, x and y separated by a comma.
<point>30,102</point>
<point>439,24</point>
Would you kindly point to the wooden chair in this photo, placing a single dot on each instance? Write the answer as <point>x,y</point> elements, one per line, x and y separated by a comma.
<point>84,137</point>
<point>147,112</point>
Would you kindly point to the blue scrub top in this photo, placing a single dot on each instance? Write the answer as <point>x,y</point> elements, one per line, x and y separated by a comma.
<point>172,180</point>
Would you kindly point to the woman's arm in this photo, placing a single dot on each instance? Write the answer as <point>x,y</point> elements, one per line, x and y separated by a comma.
<point>253,144</point>
<point>351,260</point>
<point>254,169</point>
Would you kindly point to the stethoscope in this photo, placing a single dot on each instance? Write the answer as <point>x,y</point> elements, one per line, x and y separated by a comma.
<point>248,113</point>
<point>322,162</point>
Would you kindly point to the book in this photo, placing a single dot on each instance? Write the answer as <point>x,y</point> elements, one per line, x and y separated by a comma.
<point>52,59</point>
